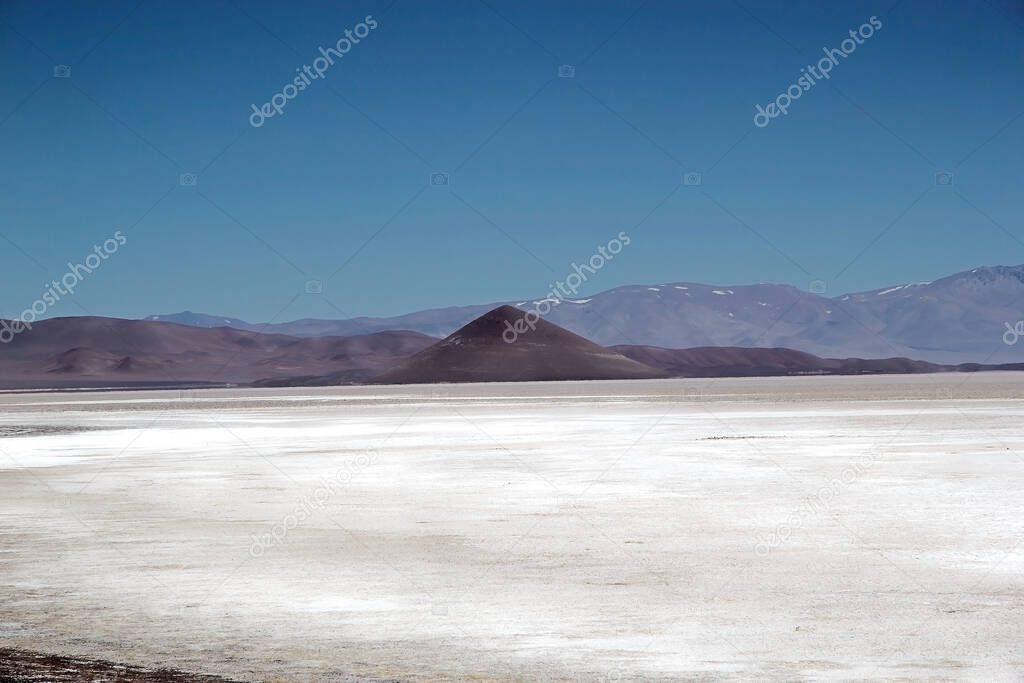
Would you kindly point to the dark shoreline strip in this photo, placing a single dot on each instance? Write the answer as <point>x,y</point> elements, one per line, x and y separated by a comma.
<point>24,665</point>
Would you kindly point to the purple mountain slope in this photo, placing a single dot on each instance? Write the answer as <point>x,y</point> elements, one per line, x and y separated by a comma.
<point>965,314</point>
<point>91,351</point>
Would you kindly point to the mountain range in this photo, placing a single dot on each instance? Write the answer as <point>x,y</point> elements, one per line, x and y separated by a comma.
<point>93,351</point>
<point>960,318</point>
<point>502,345</point>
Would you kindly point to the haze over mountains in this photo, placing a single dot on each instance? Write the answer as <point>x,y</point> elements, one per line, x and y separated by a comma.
<point>677,329</point>
<point>502,345</point>
<point>956,319</point>
<point>91,351</point>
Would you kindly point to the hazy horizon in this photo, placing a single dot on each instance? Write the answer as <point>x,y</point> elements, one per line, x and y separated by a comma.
<point>583,293</point>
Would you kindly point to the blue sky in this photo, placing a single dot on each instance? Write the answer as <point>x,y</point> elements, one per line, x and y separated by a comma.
<point>542,169</point>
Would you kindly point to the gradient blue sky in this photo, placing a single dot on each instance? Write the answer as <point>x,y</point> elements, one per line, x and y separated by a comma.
<point>543,169</point>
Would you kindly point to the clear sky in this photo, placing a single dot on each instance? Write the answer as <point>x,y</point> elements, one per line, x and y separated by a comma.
<point>542,169</point>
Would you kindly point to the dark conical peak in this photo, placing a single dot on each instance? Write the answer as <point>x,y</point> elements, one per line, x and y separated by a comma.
<point>507,312</point>
<point>508,324</point>
<point>509,344</point>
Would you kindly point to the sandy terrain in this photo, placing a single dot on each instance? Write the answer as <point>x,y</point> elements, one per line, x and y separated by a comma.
<point>788,528</point>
